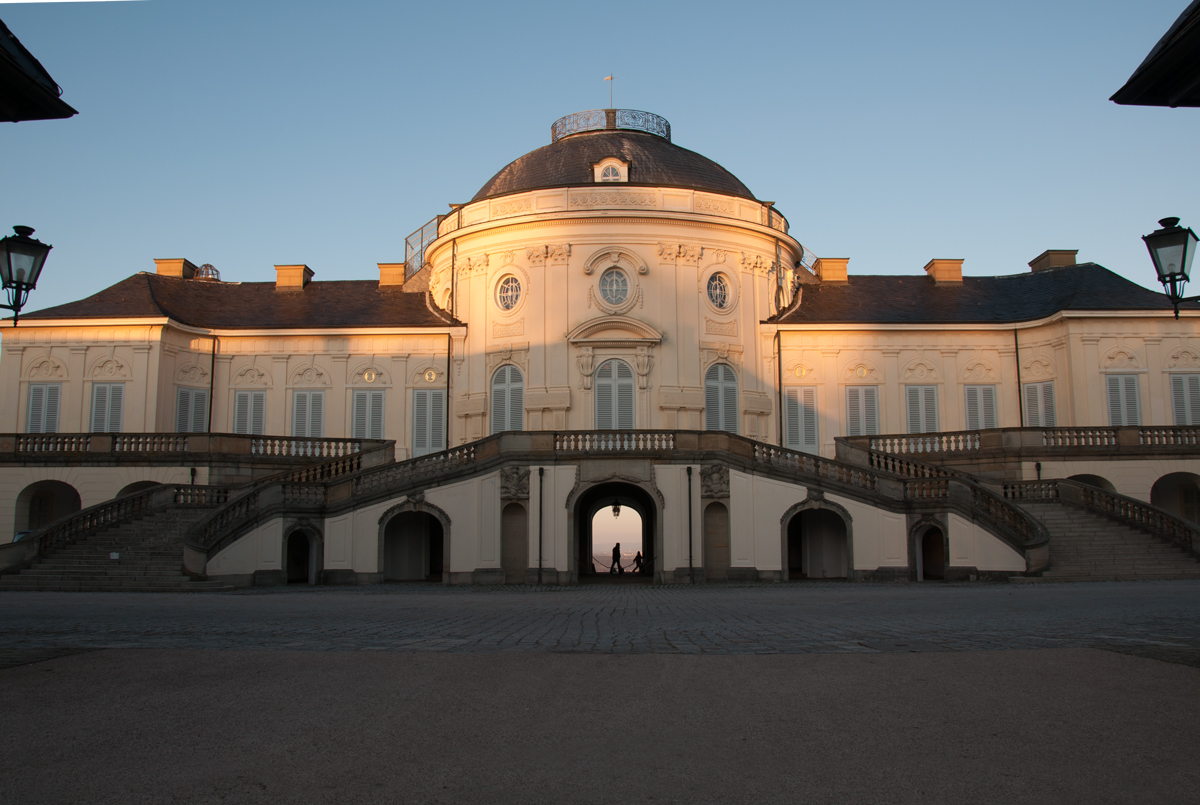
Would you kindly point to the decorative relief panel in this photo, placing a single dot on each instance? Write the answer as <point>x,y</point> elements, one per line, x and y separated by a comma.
<point>1037,369</point>
<point>622,198</point>
<point>756,264</point>
<point>714,351</point>
<point>720,327</point>
<point>1184,358</point>
<point>802,371</point>
<point>979,371</point>
<point>1121,358</point>
<point>717,205</point>
<point>501,209</point>
<point>472,265</point>
<point>192,373</point>
<point>514,483</point>
<point>920,371</point>
<point>508,330</point>
<point>370,375</point>
<point>310,376</point>
<point>690,255</point>
<point>667,252</point>
<point>46,368</point>
<point>251,376</point>
<point>557,255</point>
<point>110,368</point>
<point>586,362</point>
<point>536,255</point>
<point>516,354</point>
<point>714,481</point>
<point>861,372</point>
<point>642,364</point>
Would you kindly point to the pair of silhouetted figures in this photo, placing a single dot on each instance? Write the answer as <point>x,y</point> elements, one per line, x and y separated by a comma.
<point>617,567</point>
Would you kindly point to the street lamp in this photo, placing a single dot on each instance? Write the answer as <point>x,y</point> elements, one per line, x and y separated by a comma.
<point>21,261</point>
<point>1172,249</point>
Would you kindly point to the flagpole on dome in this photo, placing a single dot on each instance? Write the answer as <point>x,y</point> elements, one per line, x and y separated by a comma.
<point>609,79</point>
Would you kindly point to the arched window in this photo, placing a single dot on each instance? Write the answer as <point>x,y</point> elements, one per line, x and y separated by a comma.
<point>508,399</point>
<point>614,396</point>
<point>611,174</point>
<point>720,399</point>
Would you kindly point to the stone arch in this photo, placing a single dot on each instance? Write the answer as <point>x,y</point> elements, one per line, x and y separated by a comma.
<point>416,504</point>
<point>1094,480</point>
<point>45,368</point>
<point>790,523</point>
<point>920,535</point>
<point>43,502</point>
<point>303,553</point>
<point>585,499</point>
<point>1178,493</point>
<point>135,487</point>
<point>109,367</point>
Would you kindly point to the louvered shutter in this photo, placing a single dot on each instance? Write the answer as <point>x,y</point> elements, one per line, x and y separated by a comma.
<point>500,400</point>
<point>35,415</point>
<point>809,443</point>
<point>791,418</point>
<point>712,402</point>
<point>800,418</point>
<point>99,407</point>
<point>1033,406</point>
<point>729,412</point>
<point>420,422</point>
<point>1123,405</point>
<point>241,412</point>
<point>624,383</point>
<point>360,407</point>
<point>987,397</point>
<point>183,411</point>
<point>922,408</point>
<point>913,398</point>
<point>973,407</point>
<point>854,414</point>
<point>516,400</point>
<point>116,406</point>
<point>258,412</point>
<point>1185,399</point>
<point>604,396</point>
<point>53,398</point>
<point>870,397</point>
<point>199,411</point>
<point>720,399</point>
<point>300,414</point>
<point>316,414</point>
<point>437,420</point>
<point>375,414</point>
<point>107,407</point>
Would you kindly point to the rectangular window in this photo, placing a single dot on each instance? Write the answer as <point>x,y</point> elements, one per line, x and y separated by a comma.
<point>191,411</point>
<point>42,415</point>
<point>862,410</point>
<point>108,400</point>
<point>981,407</point>
<point>1039,405</point>
<point>249,412</point>
<point>429,421</point>
<point>921,402</point>
<point>368,414</point>
<point>800,418</point>
<point>1123,404</point>
<point>1185,399</point>
<point>308,414</point>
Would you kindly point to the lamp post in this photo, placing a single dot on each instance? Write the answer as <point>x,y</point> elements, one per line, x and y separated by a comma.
<point>1172,249</point>
<point>21,261</point>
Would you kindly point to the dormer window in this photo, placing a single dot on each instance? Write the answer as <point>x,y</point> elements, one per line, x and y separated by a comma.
<point>611,170</point>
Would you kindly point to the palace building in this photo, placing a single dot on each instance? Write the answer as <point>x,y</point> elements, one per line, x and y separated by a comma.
<point>611,319</point>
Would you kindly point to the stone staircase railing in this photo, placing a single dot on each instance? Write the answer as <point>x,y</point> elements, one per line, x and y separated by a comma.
<point>1048,441</point>
<point>344,489</point>
<point>1138,514</point>
<point>148,444</point>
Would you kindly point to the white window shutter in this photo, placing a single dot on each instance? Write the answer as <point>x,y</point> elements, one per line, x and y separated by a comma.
<point>516,399</point>
<point>1124,408</point>
<point>375,415</point>
<point>854,419</point>
<point>316,414</point>
<point>420,422</point>
<point>183,411</point>
<point>987,396</point>
<point>1179,404</point>
<point>720,399</point>
<point>99,407</point>
<point>35,416</point>
<point>929,399</point>
<point>729,402</point>
<point>1048,420</point>
<point>300,414</point>
<point>199,411</point>
<point>912,397</point>
<point>53,398</point>
<point>791,418</point>
<point>500,400</point>
<point>974,407</point>
<point>809,443</point>
<point>116,406</point>
<point>437,420</point>
<point>921,402</point>
<point>1033,406</point>
<point>870,397</point>
<point>1133,403</point>
<point>625,405</point>
<point>360,405</point>
<point>712,402</point>
<point>258,412</point>
<point>241,412</point>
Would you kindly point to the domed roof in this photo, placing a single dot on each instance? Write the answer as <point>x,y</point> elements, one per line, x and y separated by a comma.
<point>653,160</point>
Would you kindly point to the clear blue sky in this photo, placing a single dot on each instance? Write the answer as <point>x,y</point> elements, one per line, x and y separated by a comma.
<point>256,132</point>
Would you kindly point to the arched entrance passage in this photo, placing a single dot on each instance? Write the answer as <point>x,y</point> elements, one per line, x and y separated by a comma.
<point>300,557</point>
<point>716,542</point>
<point>600,499</point>
<point>40,504</point>
<point>1094,480</point>
<point>1178,493</point>
<point>930,544</point>
<point>413,548</point>
<point>818,545</point>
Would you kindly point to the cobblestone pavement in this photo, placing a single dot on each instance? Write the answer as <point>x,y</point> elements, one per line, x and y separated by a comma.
<point>1156,619</point>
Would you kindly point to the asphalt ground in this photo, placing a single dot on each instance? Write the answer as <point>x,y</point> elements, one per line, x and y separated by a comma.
<point>917,717</point>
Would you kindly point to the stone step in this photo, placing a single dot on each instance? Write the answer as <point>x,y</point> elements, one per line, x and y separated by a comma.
<point>172,573</point>
<point>15,585</point>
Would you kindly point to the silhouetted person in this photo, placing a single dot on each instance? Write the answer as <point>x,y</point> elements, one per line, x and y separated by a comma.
<point>637,562</point>
<point>616,563</point>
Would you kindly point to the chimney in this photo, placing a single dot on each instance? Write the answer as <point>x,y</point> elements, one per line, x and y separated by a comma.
<point>292,278</point>
<point>1053,258</point>
<point>832,269</point>
<point>391,275</point>
<point>944,271</point>
<point>175,267</point>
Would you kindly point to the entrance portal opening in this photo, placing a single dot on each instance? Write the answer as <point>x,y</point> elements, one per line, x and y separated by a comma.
<point>599,531</point>
<point>41,503</point>
<point>931,561</point>
<point>301,550</point>
<point>413,548</point>
<point>1178,493</point>
<point>817,546</point>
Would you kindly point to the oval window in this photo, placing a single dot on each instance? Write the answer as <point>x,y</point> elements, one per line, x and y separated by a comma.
<point>508,294</point>
<point>614,286</point>
<point>718,291</point>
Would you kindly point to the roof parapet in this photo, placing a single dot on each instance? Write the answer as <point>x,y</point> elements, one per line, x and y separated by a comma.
<point>1053,258</point>
<point>944,271</point>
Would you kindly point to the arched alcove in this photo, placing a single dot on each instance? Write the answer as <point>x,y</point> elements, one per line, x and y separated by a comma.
<point>818,544</point>
<point>716,542</point>
<point>414,548</point>
<point>43,502</point>
<point>1178,493</point>
<point>1094,480</point>
<point>514,543</point>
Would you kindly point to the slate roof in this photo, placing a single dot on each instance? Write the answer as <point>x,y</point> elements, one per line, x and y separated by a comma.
<point>653,161</point>
<point>979,300</point>
<point>254,305</point>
